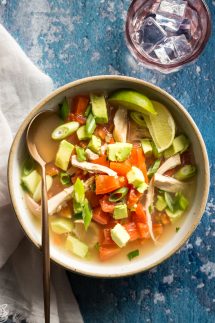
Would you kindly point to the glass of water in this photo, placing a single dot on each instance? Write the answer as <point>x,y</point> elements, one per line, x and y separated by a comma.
<point>166,35</point>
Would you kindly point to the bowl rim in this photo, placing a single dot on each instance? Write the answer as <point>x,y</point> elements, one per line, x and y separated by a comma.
<point>43,102</point>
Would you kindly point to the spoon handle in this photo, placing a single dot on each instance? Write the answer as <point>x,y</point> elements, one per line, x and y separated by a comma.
<point>45,248</point>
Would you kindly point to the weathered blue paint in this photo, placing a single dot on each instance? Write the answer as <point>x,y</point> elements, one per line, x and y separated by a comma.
<point>74,39</point>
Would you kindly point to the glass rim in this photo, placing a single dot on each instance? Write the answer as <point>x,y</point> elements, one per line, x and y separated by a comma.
<point>166,67</point>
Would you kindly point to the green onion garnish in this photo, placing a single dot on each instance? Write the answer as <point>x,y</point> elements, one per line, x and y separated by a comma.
<point>64,110</point>
<point>87,214</point>
<point>81,156</point>
<point>153,169</point>
<point>169,201</point>
<point>90,124</point>
<point>79,191</point>
<point>88,110</point>
<point>133,254</point>
<point>78,216</point>
<point>185,172</point>
<point>64,178</point>
<point>118,194</point>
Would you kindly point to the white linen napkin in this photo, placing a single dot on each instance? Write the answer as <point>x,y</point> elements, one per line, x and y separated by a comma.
<point>22,85</point>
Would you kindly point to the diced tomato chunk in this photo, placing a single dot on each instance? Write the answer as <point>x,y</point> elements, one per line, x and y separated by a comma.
<point>80,103</point>
<point>102,160</point>
<point>133,197</point>
<point>106,205</point>
<point>100,216</point>
<point>51,169</point>
<point>107,237</point>
<point>143,230</point>
<point>106,184</point>
<point>139,214</point>
<point>132,230</point>
<point>121,168</point>
<point>92,198</point>
<point>137,159</point>
<point>77,117</point>
<point>107,252</point>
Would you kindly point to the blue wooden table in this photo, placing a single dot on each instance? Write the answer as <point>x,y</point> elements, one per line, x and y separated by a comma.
<point>71,39</point>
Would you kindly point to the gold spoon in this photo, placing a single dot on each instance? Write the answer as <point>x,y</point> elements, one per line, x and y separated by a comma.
<point>34,152</point>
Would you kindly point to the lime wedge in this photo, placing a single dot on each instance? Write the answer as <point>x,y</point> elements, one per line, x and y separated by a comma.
<point>132,100</point>
<point>161,127</point>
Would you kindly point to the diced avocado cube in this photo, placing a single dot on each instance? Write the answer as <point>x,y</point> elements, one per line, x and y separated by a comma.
<point>95,144</point>
<point>31,181</point>
<point>174,216</point>
<point>63,154</point>
<point>146,146</point>
<point>142,187</point>
<point>135,176</point>
<point>76,246</point>
<point>38,190</point>
<point>120,211</point>
<point>99,108</point>
<point>161,204</point>
<point>83,134</point>
<point>119,151</point>
<point>61,225</point>
<point>179,145</point>
<point>119,235</point>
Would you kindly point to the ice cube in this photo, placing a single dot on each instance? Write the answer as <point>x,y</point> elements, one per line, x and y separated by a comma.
<point>165,51</point>
<point>171,13</point>
<point>181,45</point>
<point>152,34</point>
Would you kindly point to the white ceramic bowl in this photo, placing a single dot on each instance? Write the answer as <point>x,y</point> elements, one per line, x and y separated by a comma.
<point>110,83</point>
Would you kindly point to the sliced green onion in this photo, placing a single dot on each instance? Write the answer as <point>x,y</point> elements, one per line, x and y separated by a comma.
<point>65,130</point>
<point>133,254</point>
<point>78,216</point>
<point>169,201</point>
<point>185,172</point>
<point>64,178</point>
<point>81,156</point>
<point>118,194</point>
<point>87,214</point>
<point>79,191</point>
<point>138,117</point>
<point>182,201</point>
<point>153,169</point>
<point>64,110</point>
<point>90,124</point>
<point>28,166</point>
<point>88,110</point>
<point>77,207</point>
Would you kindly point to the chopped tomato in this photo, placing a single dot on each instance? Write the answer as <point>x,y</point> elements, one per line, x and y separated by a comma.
<point>137,159</point>
<point>79,174</point>
<point>100,216</point>
<point>106,184</point>
<point>51,169</point>
<point>121,168</point>
<point>107,252</point>
<point>170,172</point>
<point>80,103</point>
<point>132,230</point>
<point>101,131</point>
<point>133,197</point>
<point>143,230</point>
<point>112,141</point>
<point>158,230</point>
<point>92,198</point>
<point>107,237</point>
<point>139,215</point>
<point>73,139</point>
<point>123,181</point>
<point>102,160</point>
<point>77,117</point>
<point>106,205</point>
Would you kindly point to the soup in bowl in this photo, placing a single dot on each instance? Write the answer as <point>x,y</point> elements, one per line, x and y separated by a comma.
<point>127,176</point>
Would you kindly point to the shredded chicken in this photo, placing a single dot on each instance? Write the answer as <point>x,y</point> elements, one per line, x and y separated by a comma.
<point>170,163</point>
<point>90,237</point>
<point>137,132</point>
<point>120,125</point>
<point>149,203</point>
<point>168,184</point>
<point>91,155</point>
<point>90,167</point>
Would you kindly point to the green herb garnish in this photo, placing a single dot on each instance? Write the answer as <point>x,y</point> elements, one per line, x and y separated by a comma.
<point>133,254</point>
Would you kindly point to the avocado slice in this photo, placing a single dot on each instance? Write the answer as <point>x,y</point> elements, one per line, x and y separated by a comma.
<point>76,246</point>
<point>119,151</point>
<point>31,181</point>
<point>132,100</point>
<point>135,177</point>
<point>63,154</point>
<point>83,134</point>
<point>61,225</point>
<point>119,235</point>
<point>120,211</point>
<point>99,108</point>
<point>95,144</point>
